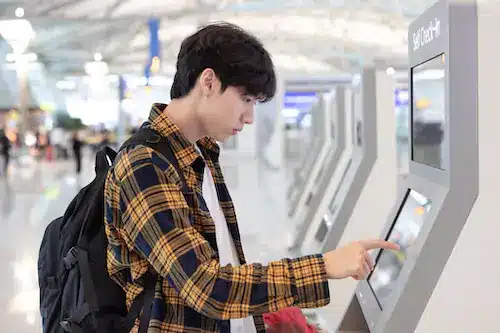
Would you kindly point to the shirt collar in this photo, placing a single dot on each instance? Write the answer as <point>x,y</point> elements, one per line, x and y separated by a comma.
<point>184,150</point>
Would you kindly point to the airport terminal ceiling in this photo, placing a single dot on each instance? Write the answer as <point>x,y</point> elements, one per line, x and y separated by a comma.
<point>303,36</point>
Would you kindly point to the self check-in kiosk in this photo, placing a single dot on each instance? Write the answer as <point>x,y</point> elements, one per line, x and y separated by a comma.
<point>370,167</point>
<point>320,141</point>
<point>328,179</point>
<point>437,196</point>
<point>309,174</point>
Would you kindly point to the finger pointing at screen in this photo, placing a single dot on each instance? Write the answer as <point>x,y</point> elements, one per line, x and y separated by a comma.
<point>353,259</point>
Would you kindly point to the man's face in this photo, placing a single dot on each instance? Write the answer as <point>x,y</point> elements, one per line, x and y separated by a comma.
<point>226,113</point>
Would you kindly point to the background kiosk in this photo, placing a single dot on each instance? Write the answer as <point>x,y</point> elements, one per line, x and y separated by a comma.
<point>437,196</point>
<point>322,86</point>
<point>337,156</point>
<point>309,174</point>
<point>371,168</point>
<point>319,147</point>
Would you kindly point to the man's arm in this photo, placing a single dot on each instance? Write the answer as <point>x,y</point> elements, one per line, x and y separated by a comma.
<point>156,224</point>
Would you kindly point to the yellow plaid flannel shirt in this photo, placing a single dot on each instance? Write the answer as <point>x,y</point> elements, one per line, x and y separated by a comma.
<point>151,223</point>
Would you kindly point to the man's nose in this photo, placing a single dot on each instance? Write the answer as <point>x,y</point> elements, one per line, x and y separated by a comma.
<point>248,117</point>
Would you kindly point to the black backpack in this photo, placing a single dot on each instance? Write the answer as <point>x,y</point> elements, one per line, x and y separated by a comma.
<point>76,293</point>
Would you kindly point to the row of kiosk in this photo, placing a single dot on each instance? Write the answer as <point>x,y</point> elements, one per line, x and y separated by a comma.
<point>440,213</point>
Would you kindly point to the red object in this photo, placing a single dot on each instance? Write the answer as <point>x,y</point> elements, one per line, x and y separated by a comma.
<point>289,320</point>
<point>49,153</point>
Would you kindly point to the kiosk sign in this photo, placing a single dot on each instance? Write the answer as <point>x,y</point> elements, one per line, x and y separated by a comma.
<point>426,34</point>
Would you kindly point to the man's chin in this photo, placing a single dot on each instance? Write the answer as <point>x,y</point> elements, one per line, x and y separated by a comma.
<point>221,138</point>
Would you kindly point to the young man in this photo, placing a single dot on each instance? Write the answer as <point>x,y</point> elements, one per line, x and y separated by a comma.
<point>192,239</point>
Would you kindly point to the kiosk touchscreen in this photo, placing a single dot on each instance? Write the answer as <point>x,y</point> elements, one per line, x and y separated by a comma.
<point>436,197</point>
<point>404,232</point>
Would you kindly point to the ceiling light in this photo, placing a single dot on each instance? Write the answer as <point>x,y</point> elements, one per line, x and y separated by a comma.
<point>96,69</point>
<point>390,71</point>
<point>19,12</point>
<point>18,33</point>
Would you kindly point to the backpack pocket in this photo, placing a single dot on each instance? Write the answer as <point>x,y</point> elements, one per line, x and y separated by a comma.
<point>50,300</point>
<point>72,298</point>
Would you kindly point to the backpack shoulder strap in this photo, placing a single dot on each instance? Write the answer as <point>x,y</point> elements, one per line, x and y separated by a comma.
<point>149,137</point>
<point>104,159</point>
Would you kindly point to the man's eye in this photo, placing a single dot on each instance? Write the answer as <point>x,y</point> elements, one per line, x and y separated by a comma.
<point>249,99</point>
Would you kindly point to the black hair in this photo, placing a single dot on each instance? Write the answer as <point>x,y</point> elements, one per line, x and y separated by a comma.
<point>237,58</point>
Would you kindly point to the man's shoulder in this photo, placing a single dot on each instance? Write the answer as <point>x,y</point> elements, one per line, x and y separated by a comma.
<point>132,158</point>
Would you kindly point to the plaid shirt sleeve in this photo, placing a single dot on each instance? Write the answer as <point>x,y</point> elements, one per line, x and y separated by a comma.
<point>156,223</point>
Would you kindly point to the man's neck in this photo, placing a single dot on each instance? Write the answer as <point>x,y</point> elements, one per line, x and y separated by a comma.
<point>183,113</point>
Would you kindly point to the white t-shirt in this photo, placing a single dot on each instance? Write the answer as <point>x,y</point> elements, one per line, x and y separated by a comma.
<point>225,243</point>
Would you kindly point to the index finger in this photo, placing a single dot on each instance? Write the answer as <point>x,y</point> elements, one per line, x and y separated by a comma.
<point>371,244</point>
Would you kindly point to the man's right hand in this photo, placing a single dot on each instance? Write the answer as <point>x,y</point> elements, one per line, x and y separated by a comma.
<point>353,260</point>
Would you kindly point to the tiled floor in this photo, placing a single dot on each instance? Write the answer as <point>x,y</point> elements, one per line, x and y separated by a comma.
<point>35,193</point>
<point>31,196</point>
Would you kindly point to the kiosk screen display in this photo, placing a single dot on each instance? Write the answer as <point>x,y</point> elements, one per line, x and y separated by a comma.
<point>322,230</point>
<point>429,112</point>
<point>334,203</point>
<point>404,232</point>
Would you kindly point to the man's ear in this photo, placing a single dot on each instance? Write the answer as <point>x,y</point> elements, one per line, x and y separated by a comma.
<point>208,81</point>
